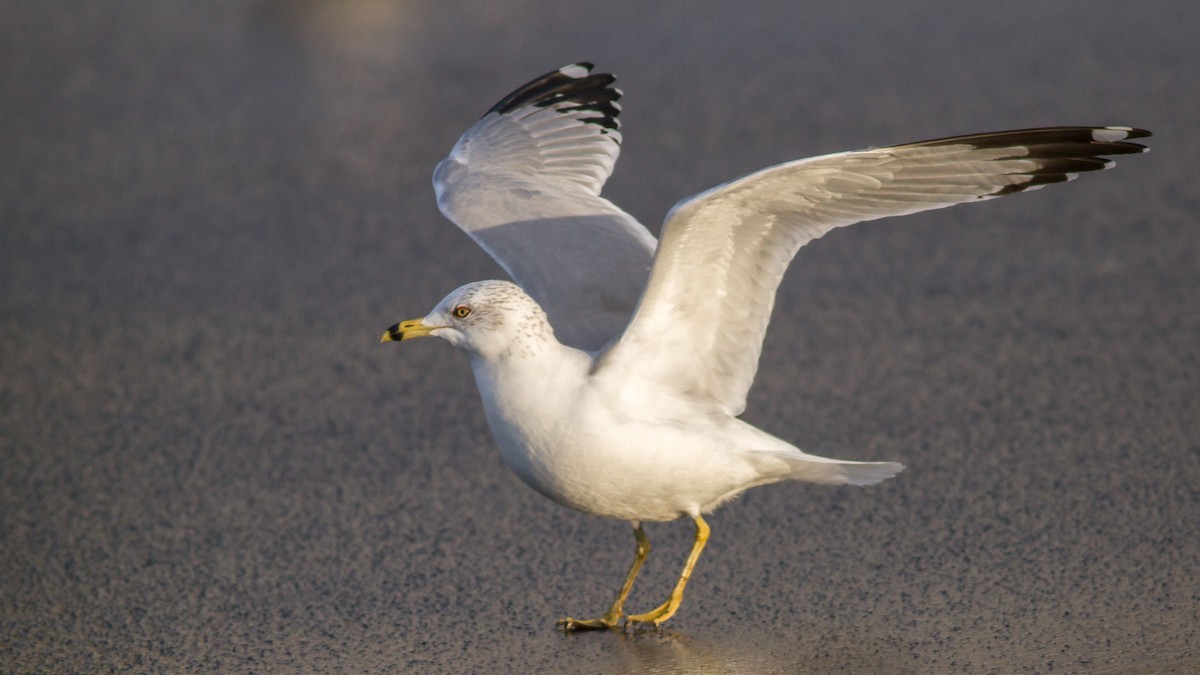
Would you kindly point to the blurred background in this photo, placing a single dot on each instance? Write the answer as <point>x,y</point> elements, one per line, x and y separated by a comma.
<point>210,211</point>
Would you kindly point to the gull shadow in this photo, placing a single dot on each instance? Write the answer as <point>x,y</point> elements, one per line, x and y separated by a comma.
<point>667,651</point>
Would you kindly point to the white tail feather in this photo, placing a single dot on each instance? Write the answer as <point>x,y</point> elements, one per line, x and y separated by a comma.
<point>812,469</point>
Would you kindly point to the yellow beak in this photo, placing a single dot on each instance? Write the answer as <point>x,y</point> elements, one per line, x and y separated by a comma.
<point>406,330</point>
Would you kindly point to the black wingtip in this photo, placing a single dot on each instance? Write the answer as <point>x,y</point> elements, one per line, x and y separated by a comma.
<point>570,88</point>
<point>1133,132</point>
<point>1060,152</point>
<point>1109,140</point>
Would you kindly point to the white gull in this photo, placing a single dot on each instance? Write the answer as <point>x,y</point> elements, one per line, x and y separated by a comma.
<point>614,370</point>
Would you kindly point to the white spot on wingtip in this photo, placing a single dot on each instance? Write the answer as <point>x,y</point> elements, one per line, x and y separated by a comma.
<point>1109,134</point>
<point>574,70</point>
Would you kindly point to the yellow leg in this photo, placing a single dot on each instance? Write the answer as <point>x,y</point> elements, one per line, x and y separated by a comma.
<point>616,612</point>
<point>666,610</point>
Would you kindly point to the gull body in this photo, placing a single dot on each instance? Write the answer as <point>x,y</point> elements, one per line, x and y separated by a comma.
<point>614,370</point>
<point>592,442</point>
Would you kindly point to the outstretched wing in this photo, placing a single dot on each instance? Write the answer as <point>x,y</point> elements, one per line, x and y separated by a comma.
<point>524,182</point>
<point>698,330</point>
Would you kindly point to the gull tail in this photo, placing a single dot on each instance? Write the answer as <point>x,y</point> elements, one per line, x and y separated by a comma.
<point>842,473</point>
<point>812,469</point>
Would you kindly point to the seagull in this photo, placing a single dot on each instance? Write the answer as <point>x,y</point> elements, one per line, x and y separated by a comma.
<point>613,372</point>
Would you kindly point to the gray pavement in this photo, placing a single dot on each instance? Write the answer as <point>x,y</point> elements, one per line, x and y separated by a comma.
<point>210,211</point>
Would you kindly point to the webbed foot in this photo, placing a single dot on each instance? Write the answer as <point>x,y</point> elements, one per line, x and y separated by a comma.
<point>606,622</point>
<point>656,616</point>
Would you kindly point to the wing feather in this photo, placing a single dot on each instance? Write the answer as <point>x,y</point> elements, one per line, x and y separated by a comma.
<point>524,182</point>
<point>698,329</point>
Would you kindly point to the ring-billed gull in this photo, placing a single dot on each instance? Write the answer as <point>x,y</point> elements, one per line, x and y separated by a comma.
<point>613,375</point>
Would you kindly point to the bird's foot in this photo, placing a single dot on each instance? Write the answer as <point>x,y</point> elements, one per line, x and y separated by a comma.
<point>656,616</point>
<point>606,622</point>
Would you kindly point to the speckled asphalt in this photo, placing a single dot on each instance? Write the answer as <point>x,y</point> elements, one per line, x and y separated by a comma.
<point>210,211</point>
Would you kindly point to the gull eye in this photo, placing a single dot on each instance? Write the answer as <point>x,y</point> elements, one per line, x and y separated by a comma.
<point>462,311</point>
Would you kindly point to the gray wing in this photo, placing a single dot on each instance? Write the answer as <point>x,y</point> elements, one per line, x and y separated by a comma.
<point>698,329</point>
<point>524,182</point>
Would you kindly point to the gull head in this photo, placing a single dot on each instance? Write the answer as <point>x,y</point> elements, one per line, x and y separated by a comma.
<point>490,319</point>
